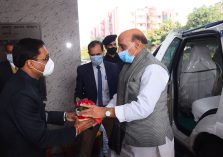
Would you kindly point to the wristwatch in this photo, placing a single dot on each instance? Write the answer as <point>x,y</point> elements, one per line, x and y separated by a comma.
<point>107,113</point>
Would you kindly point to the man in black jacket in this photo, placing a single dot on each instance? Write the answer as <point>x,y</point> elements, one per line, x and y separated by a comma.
<point>7,68</point>
<point>23,120</point>
<point>111,47</point>
<point>5,73</point>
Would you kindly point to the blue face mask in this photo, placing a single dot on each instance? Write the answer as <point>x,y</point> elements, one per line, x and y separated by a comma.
<point>125,57</point>
<point>96,60</point>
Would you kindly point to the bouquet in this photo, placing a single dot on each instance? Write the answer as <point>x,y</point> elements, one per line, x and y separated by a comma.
<point>79,108</point>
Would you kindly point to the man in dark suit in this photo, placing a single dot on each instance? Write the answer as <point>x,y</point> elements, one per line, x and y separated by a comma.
<point>7,68</point>
<point>5,73</point>
<point>23,120</point>
<point>96,81</point>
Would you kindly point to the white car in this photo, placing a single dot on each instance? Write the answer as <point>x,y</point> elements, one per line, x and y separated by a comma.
<point>194,59</point>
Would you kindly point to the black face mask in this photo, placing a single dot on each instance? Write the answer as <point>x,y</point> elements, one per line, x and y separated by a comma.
<point>112,50</point>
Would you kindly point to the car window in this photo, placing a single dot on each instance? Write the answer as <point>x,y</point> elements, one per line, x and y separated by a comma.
<point>168,57</point>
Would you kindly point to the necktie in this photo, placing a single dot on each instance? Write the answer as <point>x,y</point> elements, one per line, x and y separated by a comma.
<point>99,87</point>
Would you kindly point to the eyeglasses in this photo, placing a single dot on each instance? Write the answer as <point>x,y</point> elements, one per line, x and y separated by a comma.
<point>44,59</point>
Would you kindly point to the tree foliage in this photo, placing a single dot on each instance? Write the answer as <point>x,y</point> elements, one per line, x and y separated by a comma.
<point>204,15</point>
<point>84,53</point>
<point>157,36</point>
<point>199,16</point>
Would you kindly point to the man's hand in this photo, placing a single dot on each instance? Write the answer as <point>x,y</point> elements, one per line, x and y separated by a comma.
<point>95,111</point>
<point>84,124</point>
<point>92,111</point>
<point>71,116</point>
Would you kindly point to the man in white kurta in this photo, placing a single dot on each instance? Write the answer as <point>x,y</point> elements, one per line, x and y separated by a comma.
<point>153,82</point>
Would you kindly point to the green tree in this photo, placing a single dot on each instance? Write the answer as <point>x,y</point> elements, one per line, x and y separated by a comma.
<point>84,53</point>
<point>157,36</point>
<point>204,15</point>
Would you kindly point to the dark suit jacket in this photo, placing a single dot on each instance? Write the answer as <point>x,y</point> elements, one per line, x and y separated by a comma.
<point>23,128</point>
<point>115,60</point>
<point>5,73</point>
<point>86,84</point>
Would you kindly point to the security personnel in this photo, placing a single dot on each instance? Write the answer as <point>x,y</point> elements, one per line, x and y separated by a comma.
<point>111,48</point>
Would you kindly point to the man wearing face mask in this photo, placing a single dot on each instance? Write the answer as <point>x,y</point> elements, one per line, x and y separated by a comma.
<point>8,50</point>
<point>110,45</point>
<point>7,68</point>
<point>23,119</point>
<point>140,105</point>
<point>96,81</point>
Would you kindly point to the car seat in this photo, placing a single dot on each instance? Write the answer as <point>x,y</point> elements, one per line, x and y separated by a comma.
<point>201,106</point>
<point>197,77</point>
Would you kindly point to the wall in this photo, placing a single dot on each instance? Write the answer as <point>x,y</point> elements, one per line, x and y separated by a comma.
<point>59,24</point>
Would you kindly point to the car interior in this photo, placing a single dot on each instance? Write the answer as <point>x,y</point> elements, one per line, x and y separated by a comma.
<point>199,81</point>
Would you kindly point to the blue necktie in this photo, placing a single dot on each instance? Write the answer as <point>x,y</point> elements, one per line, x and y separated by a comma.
<point>99,87</point>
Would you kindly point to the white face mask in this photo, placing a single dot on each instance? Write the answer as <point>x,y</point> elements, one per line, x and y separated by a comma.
<point>49,67</point>
<point>10,58</point>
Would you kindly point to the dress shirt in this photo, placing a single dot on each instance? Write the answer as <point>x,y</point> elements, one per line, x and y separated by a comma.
<point>105,90</point>
<point>153,82</point>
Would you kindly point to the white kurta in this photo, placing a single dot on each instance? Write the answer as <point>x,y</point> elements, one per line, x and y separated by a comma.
<point>153,82</point>
<point>166,150</point>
